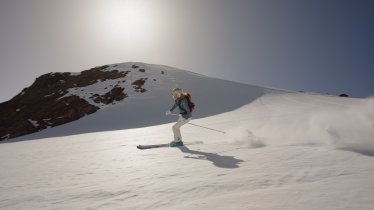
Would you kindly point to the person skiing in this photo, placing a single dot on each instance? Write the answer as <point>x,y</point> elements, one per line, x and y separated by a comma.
<point>185,115</point>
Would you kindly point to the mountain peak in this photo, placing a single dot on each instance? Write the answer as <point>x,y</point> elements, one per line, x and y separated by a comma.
<point>61,97</point>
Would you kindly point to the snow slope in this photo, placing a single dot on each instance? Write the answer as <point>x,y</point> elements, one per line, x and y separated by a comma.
<point>212,96</point>
<point>281,151</point>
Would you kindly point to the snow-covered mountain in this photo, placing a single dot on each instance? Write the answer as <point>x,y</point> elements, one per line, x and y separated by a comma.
<point>123,95</point>
<point>280,150</point>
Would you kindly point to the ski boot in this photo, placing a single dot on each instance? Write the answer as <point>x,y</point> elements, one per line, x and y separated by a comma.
<point>176,143</point>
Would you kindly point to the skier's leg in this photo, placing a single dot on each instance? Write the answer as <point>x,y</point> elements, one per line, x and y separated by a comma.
<point>176,131</point>
<point>176,128</point>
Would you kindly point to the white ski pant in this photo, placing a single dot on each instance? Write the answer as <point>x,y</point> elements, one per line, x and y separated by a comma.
<point>176,127</point>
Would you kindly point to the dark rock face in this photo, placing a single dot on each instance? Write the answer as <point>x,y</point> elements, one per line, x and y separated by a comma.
<point>43,104</point>
<point>138,85</point>
<point>344,95</point>
<point>22,116</point>
<point>116,94</point>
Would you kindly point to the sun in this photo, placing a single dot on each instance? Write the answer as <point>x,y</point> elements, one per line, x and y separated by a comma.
<point>123,21</point>
<point>125,16</point>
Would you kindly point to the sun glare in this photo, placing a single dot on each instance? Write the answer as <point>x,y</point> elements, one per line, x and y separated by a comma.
<point>123,21</point>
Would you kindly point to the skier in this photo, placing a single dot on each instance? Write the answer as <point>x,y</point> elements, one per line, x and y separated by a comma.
<point>185,115</point>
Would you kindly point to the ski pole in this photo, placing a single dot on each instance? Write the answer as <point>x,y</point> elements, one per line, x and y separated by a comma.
<point>207,128</point>
<point>202,126</point>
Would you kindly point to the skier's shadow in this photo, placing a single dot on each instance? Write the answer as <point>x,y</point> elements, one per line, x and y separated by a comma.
<point>221,161</point>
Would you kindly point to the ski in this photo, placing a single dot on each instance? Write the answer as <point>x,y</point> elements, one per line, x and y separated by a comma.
<point>153,146</point>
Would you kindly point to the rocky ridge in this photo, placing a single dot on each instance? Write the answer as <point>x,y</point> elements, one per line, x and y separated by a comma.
<point>58,98</point>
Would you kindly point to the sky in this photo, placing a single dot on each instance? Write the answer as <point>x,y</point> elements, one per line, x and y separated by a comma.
<point>322,46</point>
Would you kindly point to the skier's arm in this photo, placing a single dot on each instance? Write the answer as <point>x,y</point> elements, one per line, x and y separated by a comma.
<point>172,108</point>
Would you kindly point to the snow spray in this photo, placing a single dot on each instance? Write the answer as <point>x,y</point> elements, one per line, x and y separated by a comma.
<point>243,136</point>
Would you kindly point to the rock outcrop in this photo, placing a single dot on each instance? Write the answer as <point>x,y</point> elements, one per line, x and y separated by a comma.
<point>47,103</point>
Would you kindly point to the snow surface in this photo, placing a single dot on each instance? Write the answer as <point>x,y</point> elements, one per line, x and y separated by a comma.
<point>281,150</point>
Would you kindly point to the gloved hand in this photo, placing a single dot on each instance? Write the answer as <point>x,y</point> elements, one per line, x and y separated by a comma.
<point>168,112</point>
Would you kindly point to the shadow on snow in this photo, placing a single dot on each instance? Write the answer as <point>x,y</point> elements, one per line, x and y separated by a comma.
<point>221,161</point>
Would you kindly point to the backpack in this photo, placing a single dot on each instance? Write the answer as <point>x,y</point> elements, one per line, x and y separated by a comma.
<point>191,104</point>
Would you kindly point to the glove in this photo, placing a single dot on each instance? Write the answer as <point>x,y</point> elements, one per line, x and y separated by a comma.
<point>168,112</point>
